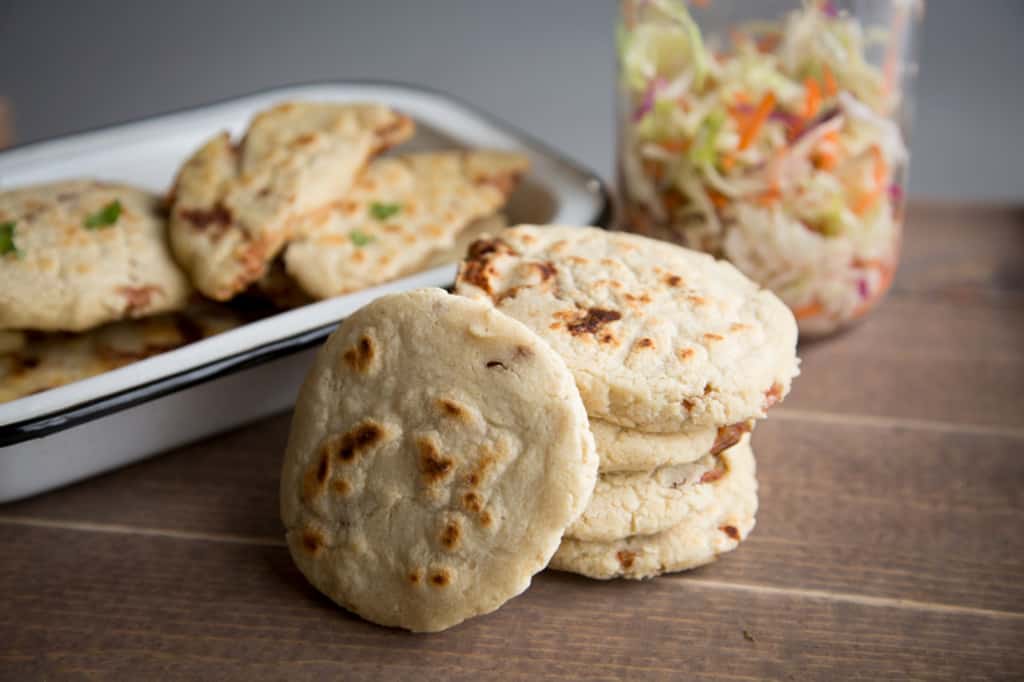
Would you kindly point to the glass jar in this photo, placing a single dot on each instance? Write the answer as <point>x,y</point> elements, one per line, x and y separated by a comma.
<point>772,134</point>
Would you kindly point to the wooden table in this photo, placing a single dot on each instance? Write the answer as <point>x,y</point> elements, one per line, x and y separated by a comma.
<point>890,541</point>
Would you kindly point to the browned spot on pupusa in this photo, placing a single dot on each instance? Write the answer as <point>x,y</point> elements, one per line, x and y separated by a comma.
<point>492,364</point>
<point>731,531</point>
<point>637,300</point>
<point>317,475</point>
<point>689,404</point>
<point>415,576</point>
<point>696,300</point>
<point>312,541</point>
<point>511,292</point>
<point>685,353</point>
<point>360,357</point>
<point>523,352</point>
<point>673,280</point>
<point>592,321</point>
<point>472,502</point>
<point>304,139</point>
<point>441,577</point>
<point>485,518</point>
<point>773,395</point>
<point>729,436</point>
<point>578,260</point>
<point>341,486</point>
<point>348,446</point>
<point>626,558</point>
<point>546,270</point>
<point>477,269</point>
<point>711,337</point>
<point>451,535</point>
<point>738,327</point>
<point>217,215</point>
<point>453,409</point>
<point>139,298</point>
<point>483,465</point>
<point>433,465</point>
<point>643,343</point>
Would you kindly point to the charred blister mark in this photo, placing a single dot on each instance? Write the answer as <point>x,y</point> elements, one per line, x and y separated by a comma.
<point>360,357</point>
<point>454,409</point>
<point>217,216</point>
<point>626,558</point>
<point>451,535</point>
<point>685,354</point>
<point>347,447</point>
<point>472,502</point>
<point>441,577</point>
<point>138,299</point>
<point>731,531</point>
<point>644,343</point>
<point>434,466</point>
<point>312,542</point>
<point>674,281</point>
<point>592,321</point>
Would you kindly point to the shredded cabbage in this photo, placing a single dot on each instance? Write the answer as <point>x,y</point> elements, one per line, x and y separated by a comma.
<point>783,149</point>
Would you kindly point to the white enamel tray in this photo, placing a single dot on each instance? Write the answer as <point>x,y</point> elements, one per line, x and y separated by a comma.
<point>67,433</point>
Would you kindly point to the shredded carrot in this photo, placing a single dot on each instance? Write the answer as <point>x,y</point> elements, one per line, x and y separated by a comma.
<point>829,151</point>
<point>866,202</point>
<point>675,145</point>
<point>700,3</point>
<point>880,176</point>
<point>718,199</point>
<point>770,197</point>
<point>831,88</point>
<point>727,162</point>
<point>768,43</point>
<point>812,98</point>
<point>753,126</point>
<point>881,167</point>
<point>809,310</point>
<point>826,159</point>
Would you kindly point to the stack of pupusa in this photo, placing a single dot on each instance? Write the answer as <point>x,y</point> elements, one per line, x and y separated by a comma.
<point>674,354</point>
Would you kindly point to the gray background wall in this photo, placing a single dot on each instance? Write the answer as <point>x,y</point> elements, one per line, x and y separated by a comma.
<point>545,65</point>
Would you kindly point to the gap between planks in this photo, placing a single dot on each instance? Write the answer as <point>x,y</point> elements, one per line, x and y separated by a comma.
<point>822,595</point>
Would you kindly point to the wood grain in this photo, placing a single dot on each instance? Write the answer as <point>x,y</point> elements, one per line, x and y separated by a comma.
<point>962,253</point>
<point>157,607</point>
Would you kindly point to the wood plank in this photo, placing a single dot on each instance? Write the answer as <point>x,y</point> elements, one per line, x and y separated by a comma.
<point>106,606</point>
<point>918,358</point>
<point>885,512</point>
<point>961,252</point>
